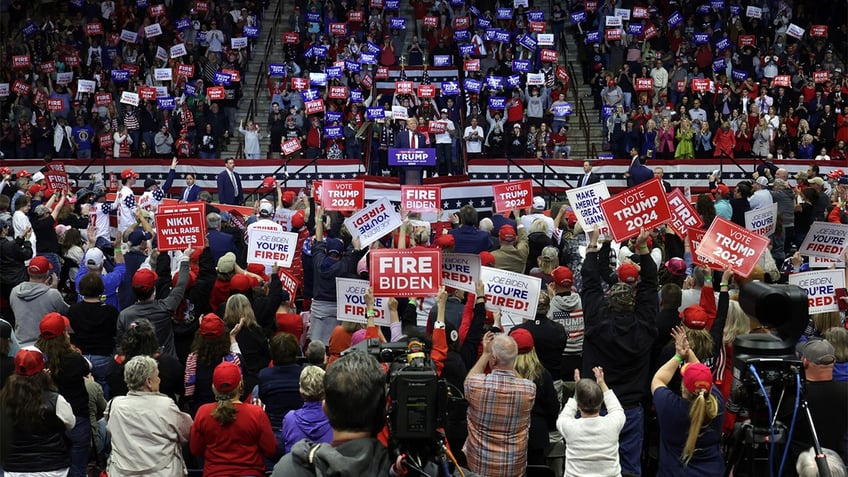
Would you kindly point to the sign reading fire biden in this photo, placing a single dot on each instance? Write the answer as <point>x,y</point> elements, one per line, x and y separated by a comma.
<point>412,157</point>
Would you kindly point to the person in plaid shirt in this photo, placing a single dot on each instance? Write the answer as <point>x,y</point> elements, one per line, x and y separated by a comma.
<point>499,405</point>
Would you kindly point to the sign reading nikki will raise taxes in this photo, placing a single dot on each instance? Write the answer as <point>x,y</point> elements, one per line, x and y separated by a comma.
<point>412,157</point>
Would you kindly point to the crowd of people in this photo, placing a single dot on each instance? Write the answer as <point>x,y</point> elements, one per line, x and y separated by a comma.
<point>214,363</point>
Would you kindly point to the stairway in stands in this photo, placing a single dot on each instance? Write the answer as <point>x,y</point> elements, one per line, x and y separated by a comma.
<point>578,92</point>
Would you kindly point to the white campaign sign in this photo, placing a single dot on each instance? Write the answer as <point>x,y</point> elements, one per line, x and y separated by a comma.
<point>86,86</point>
<point>152,30</point>
<point>762,221</point>
<point>516,295</point>
<point>821,286</point>
<point>178,50</point>
<point>373,222</point>
<point>545,39</point>
<point>129,36</point>
<point>461,271</point>
<point>163,74</point>
<point>129,98</point>
<point>825,240</point>
<point>819,262</point>
<point>270,247</point>
<point>350,303</point>
<point>535,79</point>
<point>399,112</point>
<point>238,43</point>
<point>65,78</point>
<point>585,203</point>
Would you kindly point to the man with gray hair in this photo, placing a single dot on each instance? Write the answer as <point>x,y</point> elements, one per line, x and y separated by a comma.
<point>219,242</point>
<point>497,435</point>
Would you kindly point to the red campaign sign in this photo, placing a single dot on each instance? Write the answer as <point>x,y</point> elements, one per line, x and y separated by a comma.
<point>338,29</point>
<point>781,80</point>
<point>133,69</point>
<point>314,106</point>
<point>316,192</point>
<point>403,87</point>
<point>102,99</point>
<point>54,104</point>
<point>215,93</point>
<point>640,12</point>
<point>537,27</point>
<point>461,23</point>
<point>105,141</point>
<point>421,198</point>
<point>343,195</point>
<point>179,227</point>
<point>40,95</point>
<point>694,237</point>
<point>185,70</point>
<point>426,91</point>
<point>821,76</point>
<point>644,84</point>
<point>92,29</point>
<point>234,75</point>
<point>376,4</point>
<point>355,16</point>
<point>156,10</point>
<point>818,30</point>
<point>613,34</point>
<point>48,67</point>
<point>644,206</point>
<point>21,61</point>
<point>289,282</point>
<point>201,6</point>
<point>21,88</point>
<point>147,93</point>
<point>700,84</point>
<point>747,40</point>
<point>472,65</point>
<point>650,32</point>
<point>431,22</point>
<point>299,84</point>
<point>681,85</point>
<point>291,146</point>
<point>291,38</point>
<point>382,72</point>
<point>732,246</point>
<point>71,60</point>
<point>337,92</point>
<point>549,56</point>
<point>683,215</point>
<point>561,73</point>
<point>513,195</point>
<point>367,81</point>
<point>57,178</point>
<point>591,6</point>
<point>405,272</point>
<point>437,127</point>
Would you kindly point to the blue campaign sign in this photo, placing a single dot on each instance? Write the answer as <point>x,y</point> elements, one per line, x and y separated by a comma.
<point>736,9</point>
<point>723,44</point>
<point>352,66</point>
<point>474,11</point>
<point>392,5</point>
<point>466,49</point>
<point>739,75</point>
<point>461,35</point>
<point>490,34</point>
<point>717,4</point>
<point>331,117</point>
<point>333,132</point>
<point>703,9</point>
<point>473,85</point>
<point>276,70</point>
<point>593,36</point>
<point>313,17</point>
<point>606,111</point>
<point>450,88</point>
<point>497,102</point>
<point>561,109</point>
<point>355,96</point>
<point>578,17</point>
<point>29,29</point>
<point>528,42</point>
<point>309,94</point>
<point>375,112</point>
<point>166,103</point>
<point>222,78</point>
<point>702,38</point>
<point>441,60</point>
<point>719,64</point>
<point>120,76</point>
<point>457,3</point>
<point>251,32</point>
<point>372,48</point>
<point>513,81</point>
<point>333,71</point>
<point>494,82</point>
<point>142,3</point>
<point>536,16</point>
<point>412,157</point>
<point>521,66</point>
<point>320,51</point>
<point>183,23</point>
<point>634,29</point>
<point>504,14</point>
<point>367,59</point>
<point>675,19</point>
<point>190,90</point>
<point>502,36</point>
<point>398,23</point>
<point>483,22</point>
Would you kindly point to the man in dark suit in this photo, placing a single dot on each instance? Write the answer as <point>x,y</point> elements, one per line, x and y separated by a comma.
<point>219,242</point>
<point>467,237</point>
<point>589,177</point>
<point>229,185</point>
<point>410,138</point>
<point>658,173</point>
<point>191,190</point>
<point>638,172</point>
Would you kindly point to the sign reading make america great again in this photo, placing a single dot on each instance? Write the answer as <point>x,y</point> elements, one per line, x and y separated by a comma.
<point>412,157</point>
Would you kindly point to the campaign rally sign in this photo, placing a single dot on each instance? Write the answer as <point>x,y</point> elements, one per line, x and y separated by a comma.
<point>332,116</point>
<point>781,80</point>
<point>337,92</point>
<point>472,65</point>
<point>270,246</point>
<point>550,56</point>
<point>586,204</point>
<point>762,221</point>
<point>57,178</point>
<point>819,262</point>
<point>166,103</point>
<point>683,215</point>
<point>399,112</point>
<point>441,60</point>
<point>375,112</point>
<point>405,272</point>
<point>178,50</point>
<point>450,88</point>
<point>92,29</point>
<point>147,93</point>
<point>216,93</point>
<point>461,271</point>
<point>21,61</point>
<point>644,84</point>
<point>738,75</point>
<point>421,198</point>
<point>120,76</point>
<point>511,293</point>
<point>513,81</point>
<point>431,22</point>
<point>719,64</point>
<point>700,84</point>
<point>694,237</point>
<point>820,286</point>
<point>702,38</point>
<point>818,30</point>
<point>291,38</point>
<point>291,146</point>
<point>722,44</point>
<point>152,30</point>
<point>497,102</point>
<point>129,98</point>
<point>732,246</point>
<point>412,157</point>
<point>299,84</point>
<point>403,87</point>
<point>315,106</point>
<point>55,104</point>
<point>503,14</point>
<point>350,302</point>
<point>166,74</point>
<point>276,69</point>
<point>754,12</point>
<point>675,19</point>
<point>179,227</point>
<point>642,206</point>
<point>634,29</point>
<point>426,91</point>
<point>821,76</point>
<point>747,40</point>
<point>462,35</point>
<point>578,17</point>
<point>343,195</point>
<point>333,132</point>
<point>373,222</point>
<point>513,195</point>
<point>825,239</point>
<point>640,12</point>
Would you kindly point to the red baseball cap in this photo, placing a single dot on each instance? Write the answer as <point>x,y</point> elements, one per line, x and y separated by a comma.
<point>695,317</point>
<point>444,241</point>
<point>298,220</point>
<point>240,282</point>
<point>53,325</point>
<point>144,279</point>
<point>697,377</point>
<point>23,173</point>
<point>288,197</point>
<point>523,339</point>
<point>127,173</point>
<point>29,361</point>
<point>563,276</point>
<point>258,269</point>
<point>628,273</point>
<point>486,258</point>
<point>39,266</point>
<point>721,189</point>
<point>226,377</point>
<point>211,326</point>
<point>36,188</point>
<point>506,233</point>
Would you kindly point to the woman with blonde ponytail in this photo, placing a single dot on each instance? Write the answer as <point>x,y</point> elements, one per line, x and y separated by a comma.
<point>698,410</point>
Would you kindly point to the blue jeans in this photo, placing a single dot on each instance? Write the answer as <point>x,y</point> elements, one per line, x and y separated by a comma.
<point>630,441</point>
<point>100,366</point>
<point>80,437</point>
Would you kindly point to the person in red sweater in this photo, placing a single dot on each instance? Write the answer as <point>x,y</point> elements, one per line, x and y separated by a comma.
<point>724,140</point>
<point>231,436</point>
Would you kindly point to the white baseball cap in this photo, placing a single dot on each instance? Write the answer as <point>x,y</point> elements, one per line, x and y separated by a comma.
<point>538,203</point>
<point>94,259</point>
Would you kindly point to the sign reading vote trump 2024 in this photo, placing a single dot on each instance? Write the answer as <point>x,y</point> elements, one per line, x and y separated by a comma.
<point>642,206</point>
<point>412,157</point>
<point>821,286</point>
<point>514,294</point>
<point>342,195</point>
<point>179,227</point>
<point>825,240</point>
<point>586,203</point>
<point>762,221</point>
<point>461,271</point>
<point>270,246</point>
<point>732,246</point>
<point>372,222</point>
<point>513,195</point>
<point>350,303</point>
<point>405,272</point>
